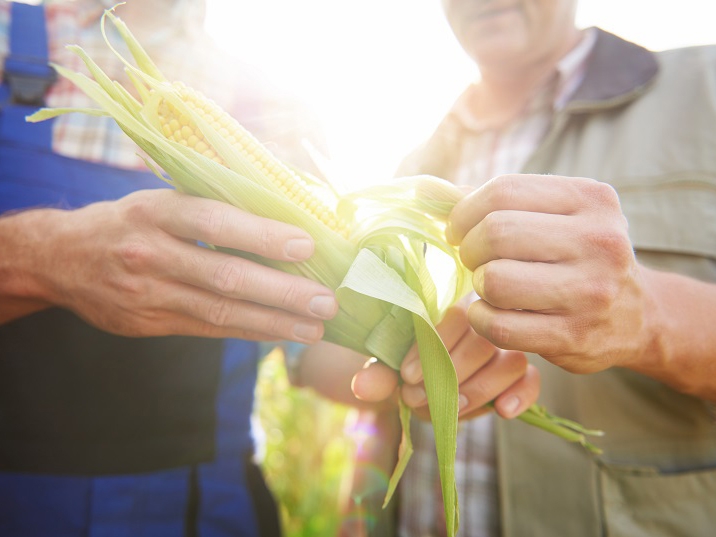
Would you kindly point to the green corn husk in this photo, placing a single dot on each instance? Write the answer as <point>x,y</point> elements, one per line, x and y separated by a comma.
<point>388,296</point>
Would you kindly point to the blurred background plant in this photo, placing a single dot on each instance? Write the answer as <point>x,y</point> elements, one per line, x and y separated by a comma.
<point>307,452</point>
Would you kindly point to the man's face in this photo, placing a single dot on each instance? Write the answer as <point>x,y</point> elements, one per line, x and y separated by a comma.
<point>511,31</point>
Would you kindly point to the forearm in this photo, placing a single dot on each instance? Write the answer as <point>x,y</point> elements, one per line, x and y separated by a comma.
<point>328,369</point>
<point>21,289</point>
<point>682,340</point>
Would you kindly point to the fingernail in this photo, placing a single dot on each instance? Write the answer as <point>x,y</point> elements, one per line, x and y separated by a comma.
<point>420,396</point>
<point>323,306</point>
<point>307,332</point>
<point>412,372</point>
<point>510,405</point>
<point>462,402</point>
<point>299,249</point>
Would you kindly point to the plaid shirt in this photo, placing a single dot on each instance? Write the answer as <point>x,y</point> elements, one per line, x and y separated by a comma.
<point>485,151</point>
<point>183,51</point>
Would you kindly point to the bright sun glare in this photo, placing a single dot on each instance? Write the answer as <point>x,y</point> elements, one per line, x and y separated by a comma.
<point>379,74</point>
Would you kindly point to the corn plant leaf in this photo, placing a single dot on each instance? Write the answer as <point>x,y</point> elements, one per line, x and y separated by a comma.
<point>405,452</point>
<point>370,276</point>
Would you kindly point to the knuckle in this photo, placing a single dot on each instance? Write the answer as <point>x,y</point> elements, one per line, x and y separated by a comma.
<point>601,293</point>
<point>613,246</point>
<point>503,189</point>
<point>495,228</point>
<point>276,326</point>
<point>290,296</point>
<point>492,281</point>
<point>140,205</point>
<point>480,393</point>
<point>135,254</point>
<point>219,312</point>
<point>211,221</point>
<point>467,258</point>
<point>577,331</point>
<point>603,194</point>
<point>266,240</point>
<point>499,331</point>
<point>622,253</point>
<point>535,379</point>
<point>518,362</point>
<point>553,339</point>
<point>230,279</point>
<point>511,364</point>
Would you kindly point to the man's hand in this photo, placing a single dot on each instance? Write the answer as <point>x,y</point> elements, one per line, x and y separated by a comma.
<point>133,267</point>
<point>555,269</point>
<point>485,373</point>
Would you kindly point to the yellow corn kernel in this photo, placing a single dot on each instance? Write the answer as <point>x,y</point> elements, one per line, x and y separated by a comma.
<point>179,127</point>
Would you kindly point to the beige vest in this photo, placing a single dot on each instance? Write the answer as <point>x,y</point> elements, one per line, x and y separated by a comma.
<point>646,125</point>
<point>657,476</point>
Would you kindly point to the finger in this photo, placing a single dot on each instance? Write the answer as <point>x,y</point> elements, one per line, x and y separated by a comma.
<point>451,329</point>
<point>476,413</point>
<point>520,235</point>
<point>219,316</point>
<point>533,193</point>
<point>239,278</point>
<point>508,284</point>
<point>540,333</point>
<point>503,370</point>
<point>414,395</point>
<point>374,383</point>
<point>422,413</point>
<point>221,224</point>
<point>415,398</point>
<point>171,323</point>
<point>470,354</point>
<point>520,396</point>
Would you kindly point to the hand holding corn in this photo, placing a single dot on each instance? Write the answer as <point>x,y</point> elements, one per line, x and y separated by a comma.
<point>558,276</point>
<point>132,267</point>
<point>487,376</point>
<point>375,248</point>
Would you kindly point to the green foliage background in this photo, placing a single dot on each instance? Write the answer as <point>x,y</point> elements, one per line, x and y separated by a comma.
<point>307,453</point>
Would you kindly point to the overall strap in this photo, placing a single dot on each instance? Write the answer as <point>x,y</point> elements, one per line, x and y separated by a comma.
<point>26,78</point>
<point>27,72</point>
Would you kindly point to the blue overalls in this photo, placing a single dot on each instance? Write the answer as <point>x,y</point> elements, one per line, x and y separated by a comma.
<point>104,436</point>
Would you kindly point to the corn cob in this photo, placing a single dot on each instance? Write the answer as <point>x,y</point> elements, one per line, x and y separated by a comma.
<point>179,127</point>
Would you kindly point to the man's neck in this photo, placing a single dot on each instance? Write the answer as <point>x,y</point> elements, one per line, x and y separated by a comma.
<point>499,100</point>
<point>504,91</point>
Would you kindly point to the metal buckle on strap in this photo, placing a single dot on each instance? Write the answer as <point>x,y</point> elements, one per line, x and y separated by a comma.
<point>29,88</point>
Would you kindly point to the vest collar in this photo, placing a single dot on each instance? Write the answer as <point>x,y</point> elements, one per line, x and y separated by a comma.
<point>616,70</point>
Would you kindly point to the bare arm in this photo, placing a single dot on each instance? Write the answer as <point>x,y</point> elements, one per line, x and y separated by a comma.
<point>132,267</point>
<point>557,275</point>
<point>683,342</point>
